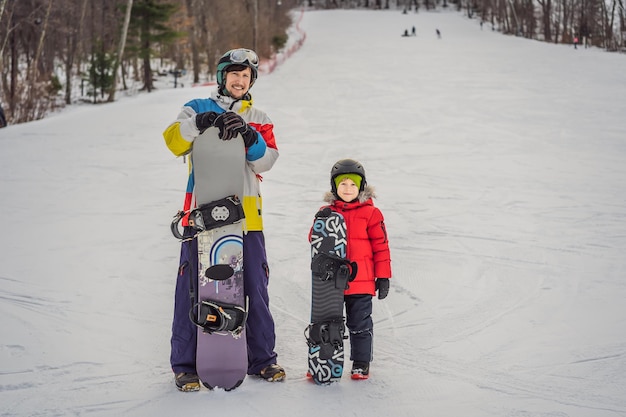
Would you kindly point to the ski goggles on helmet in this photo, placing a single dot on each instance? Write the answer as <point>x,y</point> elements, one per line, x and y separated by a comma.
<point>240,56</point>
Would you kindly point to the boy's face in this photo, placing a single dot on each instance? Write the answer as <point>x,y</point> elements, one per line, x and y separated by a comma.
<point>347,190</point>
<point>238,82</point>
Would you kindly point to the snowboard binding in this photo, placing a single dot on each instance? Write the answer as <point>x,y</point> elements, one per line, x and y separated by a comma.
<point>328,335</point>
<point>328,266</point>
<point>209,216</point>
<point>219,317</point>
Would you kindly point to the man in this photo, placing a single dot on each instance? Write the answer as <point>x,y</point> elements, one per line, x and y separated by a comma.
<point>230,110</point>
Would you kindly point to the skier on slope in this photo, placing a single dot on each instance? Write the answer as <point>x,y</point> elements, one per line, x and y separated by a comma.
<point>229,109</point>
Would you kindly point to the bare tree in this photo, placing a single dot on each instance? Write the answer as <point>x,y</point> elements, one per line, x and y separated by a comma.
<point>120,49</point>
<point>546,10</point>
<point>193,39</point>
<point>73,25</point>
<point>32,73</point>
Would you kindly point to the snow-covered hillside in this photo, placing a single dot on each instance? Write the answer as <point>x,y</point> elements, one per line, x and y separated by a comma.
<point>499,165</point>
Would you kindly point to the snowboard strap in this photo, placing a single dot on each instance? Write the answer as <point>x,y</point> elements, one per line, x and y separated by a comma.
<point>328,335</point>
<point>209,216</point>
<point>219,317</point>
<point>327,266</point>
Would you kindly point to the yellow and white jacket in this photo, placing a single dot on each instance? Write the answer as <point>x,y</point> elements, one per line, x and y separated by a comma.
<point>260,157</point>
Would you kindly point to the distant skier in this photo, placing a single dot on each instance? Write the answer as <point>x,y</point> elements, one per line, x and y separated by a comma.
<point>413,33</point>
<point>406,33</point>
<point>575,42</point>
<point>438,34</point>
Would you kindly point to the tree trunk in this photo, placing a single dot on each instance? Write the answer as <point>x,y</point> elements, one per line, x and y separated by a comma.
<point>195,59</point>
<point>120,50</point>
<point>7,35</point>
<point>147,70</point>
<point>14,72</point>
<point>73,41</point>
<point>32,75</point>
<point>546,9</point>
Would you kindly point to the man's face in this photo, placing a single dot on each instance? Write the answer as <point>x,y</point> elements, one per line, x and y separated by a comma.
<point>238,82</point>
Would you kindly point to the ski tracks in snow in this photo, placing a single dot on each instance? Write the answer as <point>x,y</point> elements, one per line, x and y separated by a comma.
<point>479,320</point>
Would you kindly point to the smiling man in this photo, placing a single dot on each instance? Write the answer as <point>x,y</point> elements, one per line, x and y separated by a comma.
<point>230,110</point>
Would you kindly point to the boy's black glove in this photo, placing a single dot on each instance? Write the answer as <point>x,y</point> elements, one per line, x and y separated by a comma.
<point>382,286</point>
<point>205,120</point>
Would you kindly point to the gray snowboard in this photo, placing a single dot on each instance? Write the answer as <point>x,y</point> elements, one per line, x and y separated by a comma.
<point>218,166</point>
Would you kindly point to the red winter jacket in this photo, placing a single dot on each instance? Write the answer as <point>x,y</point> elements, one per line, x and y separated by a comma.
<point>367,240</point>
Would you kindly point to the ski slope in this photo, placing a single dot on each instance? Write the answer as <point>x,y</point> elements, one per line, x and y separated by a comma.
<point>498,163</point>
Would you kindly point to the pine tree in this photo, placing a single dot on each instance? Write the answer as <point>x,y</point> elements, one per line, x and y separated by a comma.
<point>148,23</point>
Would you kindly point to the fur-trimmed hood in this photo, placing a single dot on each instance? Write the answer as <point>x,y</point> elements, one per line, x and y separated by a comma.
<point>367,193</point>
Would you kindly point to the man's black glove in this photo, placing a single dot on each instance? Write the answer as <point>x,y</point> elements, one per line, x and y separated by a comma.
<point>249,136</point>
<point>382,286</point>
<point>230,124</point>
<point>205,120</point>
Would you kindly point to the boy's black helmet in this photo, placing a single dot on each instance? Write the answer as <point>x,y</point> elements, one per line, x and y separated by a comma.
<point>347,166</point>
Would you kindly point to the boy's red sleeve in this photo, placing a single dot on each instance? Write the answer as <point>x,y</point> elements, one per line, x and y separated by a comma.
<point>377,233</point>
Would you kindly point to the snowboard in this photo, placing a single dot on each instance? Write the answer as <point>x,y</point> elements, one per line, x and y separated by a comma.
<point>330,272</point>
<point>219,306</point>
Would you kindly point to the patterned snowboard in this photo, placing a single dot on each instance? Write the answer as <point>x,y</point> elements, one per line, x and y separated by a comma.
<point>331,272</point>
<point>221,357</point>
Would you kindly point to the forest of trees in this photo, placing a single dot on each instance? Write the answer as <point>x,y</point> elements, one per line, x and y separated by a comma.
<point>600,23</point>
<point>49,49</point>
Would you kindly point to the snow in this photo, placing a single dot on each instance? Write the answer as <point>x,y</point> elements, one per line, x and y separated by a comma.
<point>499,166</point>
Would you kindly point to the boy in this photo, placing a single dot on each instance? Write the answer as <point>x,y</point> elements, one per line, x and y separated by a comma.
<point>369,248</point>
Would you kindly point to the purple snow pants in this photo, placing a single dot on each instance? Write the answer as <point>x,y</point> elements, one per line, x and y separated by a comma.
<point>260,334</point>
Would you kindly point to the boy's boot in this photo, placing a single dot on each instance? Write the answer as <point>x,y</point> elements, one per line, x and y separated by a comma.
<point>360,370</point>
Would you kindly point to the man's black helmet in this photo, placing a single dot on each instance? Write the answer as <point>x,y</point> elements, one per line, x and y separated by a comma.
<point>243,57</point>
